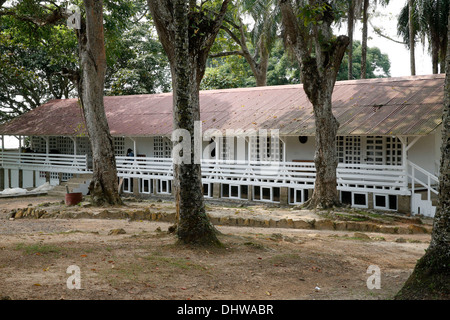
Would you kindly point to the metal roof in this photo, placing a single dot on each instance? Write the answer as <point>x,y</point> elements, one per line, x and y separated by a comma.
<point>389,106</point>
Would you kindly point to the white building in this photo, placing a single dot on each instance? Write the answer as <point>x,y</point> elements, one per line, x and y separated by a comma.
<point>388,143</point>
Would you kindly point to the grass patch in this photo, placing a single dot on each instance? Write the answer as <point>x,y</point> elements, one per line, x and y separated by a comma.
<point>37,248</point>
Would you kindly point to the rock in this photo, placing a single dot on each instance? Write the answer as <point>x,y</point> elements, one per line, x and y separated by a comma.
<point>116,232</point>
<point>415,229</point>
<point>324,225</point>
<point>301,224</point>
<point>11,214</point>
<point>400,240</point>
<point>361,235</point>
<point>19,214</point>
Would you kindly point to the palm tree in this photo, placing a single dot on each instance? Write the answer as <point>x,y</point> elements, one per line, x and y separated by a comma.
<point>365,20</point>
<point>429,21</point>
<point>354,10</point>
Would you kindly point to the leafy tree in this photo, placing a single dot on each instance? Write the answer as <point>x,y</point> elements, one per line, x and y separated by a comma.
<point>377,64</point>
<point>31,59</point>
<point>88,75</point>
<point>136,62</point>
<point>255,44</point>
<point>319,53</point>
<point>235,72</point>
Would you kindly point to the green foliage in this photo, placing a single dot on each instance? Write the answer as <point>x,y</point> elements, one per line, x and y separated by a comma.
<point>30,65</point>
<point>229,72</point>
<point>377,64</point>
<point>234,72</point>
<point>34,49</point>
<point>136,63</point>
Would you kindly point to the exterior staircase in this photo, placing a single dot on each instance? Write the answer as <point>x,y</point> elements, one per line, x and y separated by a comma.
<point>421,205</point>
<point>78,183</point>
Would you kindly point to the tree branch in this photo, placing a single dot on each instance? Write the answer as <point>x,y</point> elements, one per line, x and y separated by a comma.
<point>226,54</point>
<point>378,31</point>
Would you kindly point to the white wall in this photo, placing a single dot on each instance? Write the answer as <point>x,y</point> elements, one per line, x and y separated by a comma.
<point>298,151</point>
<point>425,153</point>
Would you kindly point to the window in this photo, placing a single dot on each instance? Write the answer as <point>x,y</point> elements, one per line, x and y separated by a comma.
<point>393,151</point>
<point>162,147</point>
<point>119,146</point>
<point>355,199</point>
<point>234,191</point>
<point>348,149</point>
<point>269,194</point>
<point>297,196</point>
<point>146,186</point>
<point>226,148</point>
<point>385,202</point>
<point>266,148</point>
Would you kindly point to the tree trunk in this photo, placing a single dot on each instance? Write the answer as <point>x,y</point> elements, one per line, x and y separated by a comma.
<point>412,42</point>
<point>187,36</point>
<point>350,24</point>
<point>104,187</point>
<point>193,224</point>
<point>325,193</point>
<point>435,54</point>
<point>431,276</point>
<point>364,40</point>
<point>318,70</point>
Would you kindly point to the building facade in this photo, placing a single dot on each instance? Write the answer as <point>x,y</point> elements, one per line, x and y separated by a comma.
<point>256,143</point>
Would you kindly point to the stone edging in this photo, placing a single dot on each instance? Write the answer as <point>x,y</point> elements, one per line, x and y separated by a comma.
<point>146,214</point>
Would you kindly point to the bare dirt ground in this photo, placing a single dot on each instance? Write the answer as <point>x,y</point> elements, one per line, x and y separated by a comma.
<point>145,262</point>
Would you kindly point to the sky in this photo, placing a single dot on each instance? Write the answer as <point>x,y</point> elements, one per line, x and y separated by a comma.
<point>398,53</point>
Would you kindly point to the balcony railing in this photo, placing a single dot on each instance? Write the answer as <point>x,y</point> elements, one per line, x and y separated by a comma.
<point>64,163</point>
<point>298,175</point>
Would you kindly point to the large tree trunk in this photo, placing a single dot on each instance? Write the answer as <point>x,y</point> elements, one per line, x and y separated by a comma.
<point>318,70</point>
<point>104,185</point>
<point>364,40</point>
<point>193,224</point>
<point>431,276</point>
<point>187,35</point>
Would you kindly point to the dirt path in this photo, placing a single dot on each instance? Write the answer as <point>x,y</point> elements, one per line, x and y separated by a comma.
<point>145,262</point>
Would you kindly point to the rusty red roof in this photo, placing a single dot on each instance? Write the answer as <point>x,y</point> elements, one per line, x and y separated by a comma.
<point>389,106</point>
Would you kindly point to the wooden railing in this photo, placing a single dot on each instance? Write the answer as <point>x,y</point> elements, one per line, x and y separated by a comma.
<point>64,163</point>
<point>422,178</point>
<point>298,175</point>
